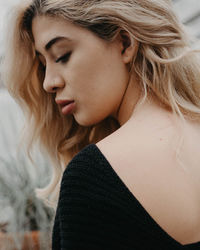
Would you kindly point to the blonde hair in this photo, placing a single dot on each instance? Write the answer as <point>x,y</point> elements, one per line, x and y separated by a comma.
<point>163,64</point>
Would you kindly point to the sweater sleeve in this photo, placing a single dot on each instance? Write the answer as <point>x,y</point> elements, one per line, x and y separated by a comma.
<point>56,233</point>
<point>92,209</point>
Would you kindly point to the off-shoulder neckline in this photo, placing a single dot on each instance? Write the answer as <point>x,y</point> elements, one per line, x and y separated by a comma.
<point>191,246</point>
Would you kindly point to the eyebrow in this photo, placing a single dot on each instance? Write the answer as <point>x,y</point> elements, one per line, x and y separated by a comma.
<point>52,42</point>
<point>55,40</point>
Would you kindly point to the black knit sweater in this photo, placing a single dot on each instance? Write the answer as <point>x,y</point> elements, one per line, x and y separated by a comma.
<point>96,211</point>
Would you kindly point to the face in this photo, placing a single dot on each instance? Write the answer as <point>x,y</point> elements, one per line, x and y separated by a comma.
<point>87,75</point>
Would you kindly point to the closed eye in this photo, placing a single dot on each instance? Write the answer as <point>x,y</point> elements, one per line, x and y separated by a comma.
<point>64,58</point>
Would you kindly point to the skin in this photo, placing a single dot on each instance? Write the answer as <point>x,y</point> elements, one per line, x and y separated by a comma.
<point>95,75</point>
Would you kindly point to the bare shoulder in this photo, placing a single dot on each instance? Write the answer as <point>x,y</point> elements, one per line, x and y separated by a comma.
<point>146,161</point>
<point>135,145</point>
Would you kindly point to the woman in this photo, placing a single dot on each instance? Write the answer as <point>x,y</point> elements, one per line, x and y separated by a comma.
<point>111,88</point>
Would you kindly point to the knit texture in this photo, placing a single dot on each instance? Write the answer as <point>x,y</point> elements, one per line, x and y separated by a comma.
<point>96,211</point>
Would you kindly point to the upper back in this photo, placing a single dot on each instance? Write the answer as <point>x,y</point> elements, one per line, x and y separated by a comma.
<point>159,163</point>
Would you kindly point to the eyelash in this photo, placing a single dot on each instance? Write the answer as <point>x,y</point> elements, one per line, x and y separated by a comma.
<point>64,58</point>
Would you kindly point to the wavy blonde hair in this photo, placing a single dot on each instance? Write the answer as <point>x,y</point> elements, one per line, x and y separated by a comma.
<point>163,64</point>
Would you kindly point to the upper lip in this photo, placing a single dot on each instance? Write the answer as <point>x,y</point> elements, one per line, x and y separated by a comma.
<point>62,102</point>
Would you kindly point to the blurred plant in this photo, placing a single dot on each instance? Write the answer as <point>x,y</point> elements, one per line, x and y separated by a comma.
<point>20,210</point>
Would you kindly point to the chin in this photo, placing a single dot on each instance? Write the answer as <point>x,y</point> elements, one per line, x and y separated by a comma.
<point>85,122</point>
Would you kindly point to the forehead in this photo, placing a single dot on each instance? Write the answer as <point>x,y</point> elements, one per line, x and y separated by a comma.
<point>45,28</point>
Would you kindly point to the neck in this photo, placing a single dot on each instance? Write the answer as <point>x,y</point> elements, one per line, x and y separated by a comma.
<point>130,98</point>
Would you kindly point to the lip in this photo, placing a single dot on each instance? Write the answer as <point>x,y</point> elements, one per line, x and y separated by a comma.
<point>62,102</point>
<point>67,106</point>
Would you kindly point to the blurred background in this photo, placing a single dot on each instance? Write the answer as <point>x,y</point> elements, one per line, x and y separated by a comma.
<point>23,217</point>
<point>25,220</point>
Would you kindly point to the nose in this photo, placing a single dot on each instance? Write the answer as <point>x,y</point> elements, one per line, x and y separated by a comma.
<point>53,86</point>
<point>53,82</point>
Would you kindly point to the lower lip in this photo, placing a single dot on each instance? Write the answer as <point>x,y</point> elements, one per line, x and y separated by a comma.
<point>67,109</point>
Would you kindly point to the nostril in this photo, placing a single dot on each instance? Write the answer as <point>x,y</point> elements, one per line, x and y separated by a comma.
<point>54,88</point>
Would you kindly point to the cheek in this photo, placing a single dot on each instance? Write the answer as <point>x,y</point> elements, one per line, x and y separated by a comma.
<point>99,74</point>
<point>94,64</point>
<point>97,83</point>
<point>103,87</point>
<point>99,100</point>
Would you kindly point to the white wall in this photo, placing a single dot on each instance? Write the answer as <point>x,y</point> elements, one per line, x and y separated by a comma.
<point>5,5</point>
